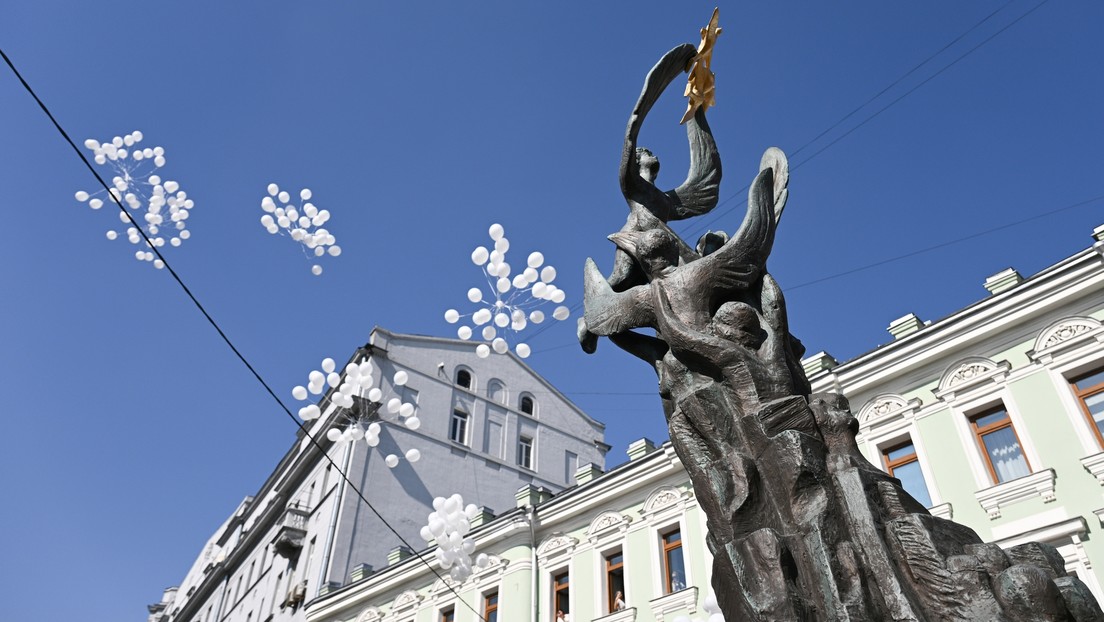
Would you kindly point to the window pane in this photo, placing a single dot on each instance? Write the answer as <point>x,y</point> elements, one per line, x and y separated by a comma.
<point>676,573</point>
<point>1095,404</point>
<point>671,538</point>
<point>991,418</point>
<point>1090,381</point>
<point>900,452</point>
<point>1005,454</point>
<point>913,481</point>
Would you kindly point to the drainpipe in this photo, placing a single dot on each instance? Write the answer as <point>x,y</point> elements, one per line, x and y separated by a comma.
<point>531,515</point>
<point>327,550</point>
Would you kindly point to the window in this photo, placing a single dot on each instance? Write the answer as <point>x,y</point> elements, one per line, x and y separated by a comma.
<point>901,462</point>
<point>463,378</point>
<point>561,593</point>
<point>1089,389</point>
<point>458,427</point>
<point>615,581</point>
<point>526,404</point>
<point>674,573</point>
<point>490,607</point>
<point>525,452</point>
<point>1003,454</point>
<point>448,615</point>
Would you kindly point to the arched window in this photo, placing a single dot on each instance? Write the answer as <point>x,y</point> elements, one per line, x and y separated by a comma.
<point>526,404</point>
<point>496,391</point>
<point>463,378</point>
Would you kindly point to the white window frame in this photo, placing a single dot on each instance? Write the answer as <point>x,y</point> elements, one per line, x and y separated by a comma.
<point>466,429</point>
<point>889,419</point>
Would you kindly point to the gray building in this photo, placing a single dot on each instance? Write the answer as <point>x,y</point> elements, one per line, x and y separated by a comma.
<point>488,427</point>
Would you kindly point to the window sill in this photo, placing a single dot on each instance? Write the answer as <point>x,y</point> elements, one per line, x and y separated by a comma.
<point>1039,484</point>
<point>625,615</point>
<point>682,601</point>
<point>1095,464</point>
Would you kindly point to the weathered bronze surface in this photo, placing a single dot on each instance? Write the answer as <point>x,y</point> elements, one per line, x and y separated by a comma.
<point>801,525</point>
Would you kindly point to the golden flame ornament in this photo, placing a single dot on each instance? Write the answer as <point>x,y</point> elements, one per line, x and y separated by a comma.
<point>700,84</point>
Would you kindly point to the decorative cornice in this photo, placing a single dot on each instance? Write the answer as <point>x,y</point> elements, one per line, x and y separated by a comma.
<point>969,374</point>
<point>662,498</point>
<point>1095,464</point>
<point>407,600</point>
<point>556,543</point>
<point>607,522</point>
<point>1065,335</point>
<point>1039,484</point>
<point>888,406</point>
<point>370,614</point>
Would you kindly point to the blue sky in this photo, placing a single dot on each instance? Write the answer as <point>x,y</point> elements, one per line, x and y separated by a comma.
<point>132,431</point>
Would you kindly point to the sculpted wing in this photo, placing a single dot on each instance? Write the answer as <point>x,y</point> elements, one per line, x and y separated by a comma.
<point>608,312</point>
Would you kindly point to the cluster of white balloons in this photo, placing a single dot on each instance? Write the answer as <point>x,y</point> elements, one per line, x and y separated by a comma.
<point>710,607</point>
<point>449,525</point>
<point>166,206</point>
<point>357,380</point>
<point>303,223</point>
<point>515,303</point>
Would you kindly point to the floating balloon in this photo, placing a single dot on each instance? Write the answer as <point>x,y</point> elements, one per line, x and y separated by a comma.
<point>448,525</point>
<point>301,222</point>
<point>147,201</point>
<point>509,305</point>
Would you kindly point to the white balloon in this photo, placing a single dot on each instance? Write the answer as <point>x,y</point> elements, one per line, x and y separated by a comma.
<point>481,317</point>
<point>499,345</point>
<point>519,281</point>
<point>318,250</point>
<point>372,439</point>
<point>561,313</point>
<point>522,350</point>
<point>159,161</point>
<point>501,320</point>
<point>95,204</point>
<point>535,260</point>
<point>393,405</point>
<point>548,274</point>
<point>413,455</point>
<point>482,351</point>
<point>328,365</point>
<point>496,232</point>
<point>536,316</point>
<point>333,434</point>
<point>305,194</point>
<point>406,410</point>
<point>452,316</point>
<point>502,245</point>
<point>504,270</point>
<point>81,196</point>
<point>475,294</point>
<point>333,379</point>
<point>334,251</point>
<point>299,392</point>
<point>479,255</point>
<point>489,333</point>
<point>518,324</point>
<point>392,460</point>
<point>425,533</point>
<point>92,143</point>
<point>539,290</point>
<point>111,235</point>
<point>464,332</point>
<point>375,394</point>
<point>400,378</point>
<point>558,296</point>
<point>413,422</point>
<point>316,270</point>
<point>310,412</point>
<point>356,432</point>
<point>284,197</point>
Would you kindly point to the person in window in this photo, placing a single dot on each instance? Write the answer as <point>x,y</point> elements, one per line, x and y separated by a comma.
<point>560,617</point>
<point>618,602</point>
<point>677,582</point>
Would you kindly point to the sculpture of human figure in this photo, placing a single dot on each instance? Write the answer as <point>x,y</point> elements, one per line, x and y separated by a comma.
<point>650,207</point>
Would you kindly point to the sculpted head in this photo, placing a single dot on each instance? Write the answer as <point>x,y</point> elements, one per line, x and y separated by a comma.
<point>649,164</point>
<point>738,322</point>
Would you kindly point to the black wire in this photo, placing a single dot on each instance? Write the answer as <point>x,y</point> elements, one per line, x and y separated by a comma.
<point>222,334</point>
<point>703,227</point>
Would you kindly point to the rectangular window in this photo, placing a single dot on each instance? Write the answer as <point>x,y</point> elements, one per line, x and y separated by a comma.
<point>997,438</point>
<point>561,594</point>
<point>674,572</point>
<point>448,615</point>
<point>615,582</point>
<point>490,607</point>
<point>525,452</point>
<point>901,462</point>
<point>1089,389</point>
<point>458,427</point>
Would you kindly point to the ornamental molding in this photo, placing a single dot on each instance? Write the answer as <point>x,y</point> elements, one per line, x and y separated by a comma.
<point>888,406</point>
<point>1095,464</point>
<point>681,601</point>
<point>407,600</point>
<point>607,521</point>
<point>1040,484</point>
<point>370,614</point>
<point>1065,335</point>
<point>556,543</point>
<point>663,498</point>
<point>443,585</point>
<point>970,374</point>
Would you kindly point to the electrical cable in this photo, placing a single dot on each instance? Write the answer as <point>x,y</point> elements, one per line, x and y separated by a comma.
<point>225,338</point>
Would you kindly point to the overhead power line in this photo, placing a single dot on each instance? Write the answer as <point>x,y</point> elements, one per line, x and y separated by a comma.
<point>224,336</point>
